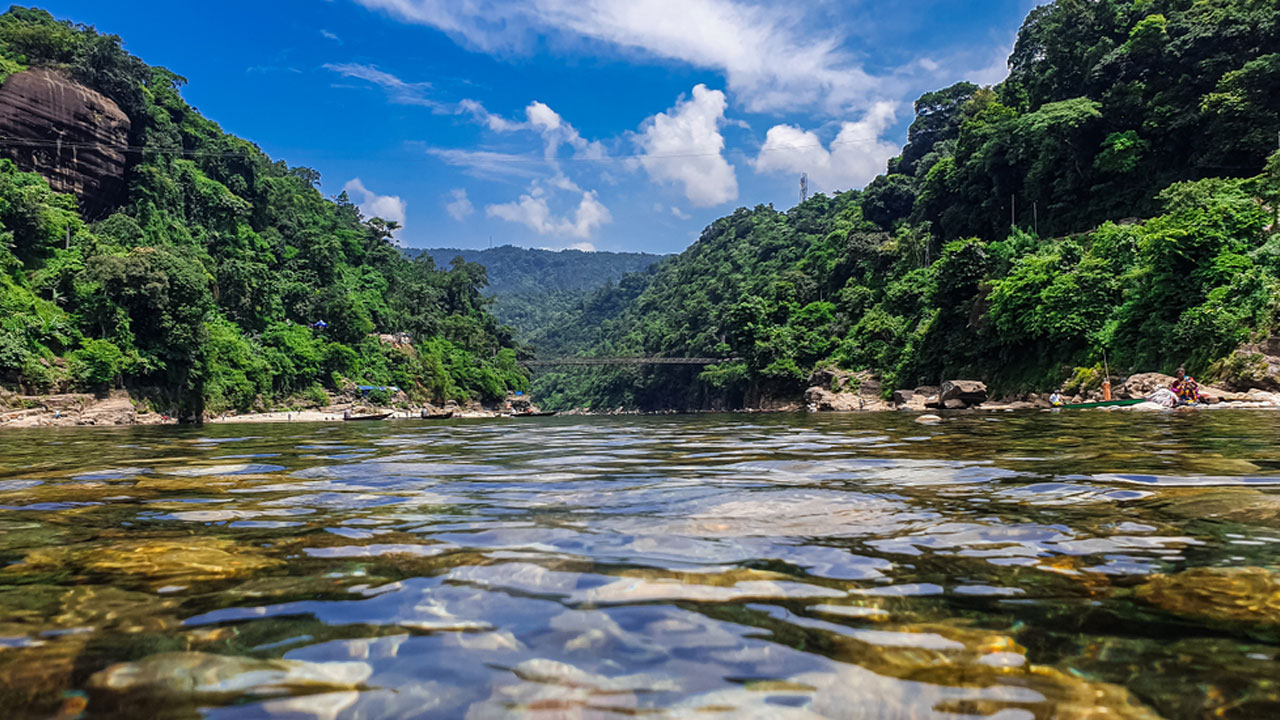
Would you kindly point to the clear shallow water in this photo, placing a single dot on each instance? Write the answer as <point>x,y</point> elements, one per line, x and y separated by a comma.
<point>1009,566</point>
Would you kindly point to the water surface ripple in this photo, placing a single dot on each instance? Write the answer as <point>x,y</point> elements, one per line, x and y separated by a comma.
<point>1010,566</point>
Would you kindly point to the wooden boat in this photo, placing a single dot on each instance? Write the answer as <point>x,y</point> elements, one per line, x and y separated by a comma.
<point>379,416</point>
<point>1105,403</point>
<point>437,416</point>
<point>532,414</point>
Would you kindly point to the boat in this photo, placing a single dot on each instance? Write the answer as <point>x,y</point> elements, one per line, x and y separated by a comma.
<point>532,414</point>
<point>1103,404</point>
<point>379,416</point>
<point>437,416</point>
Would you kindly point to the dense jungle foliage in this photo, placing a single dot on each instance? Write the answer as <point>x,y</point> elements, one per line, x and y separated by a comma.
<point>1116,194</point>
<point>211,284</point>
<point>534,289</point>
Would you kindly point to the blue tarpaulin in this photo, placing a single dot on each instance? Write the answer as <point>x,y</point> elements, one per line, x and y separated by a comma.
<point>371,388</point>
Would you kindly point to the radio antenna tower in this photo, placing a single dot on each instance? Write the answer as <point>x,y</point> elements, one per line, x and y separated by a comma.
<point>804,187</point>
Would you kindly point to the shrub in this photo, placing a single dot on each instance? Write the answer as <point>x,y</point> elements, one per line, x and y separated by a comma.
<point>96,364</point>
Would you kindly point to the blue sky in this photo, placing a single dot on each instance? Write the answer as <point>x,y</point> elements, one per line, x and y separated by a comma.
<point>605,124</point>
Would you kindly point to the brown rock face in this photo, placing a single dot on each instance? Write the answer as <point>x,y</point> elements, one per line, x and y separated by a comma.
<point>835,390</point>
<point>1143,384</point>
<point>959,394</point>
<point>1250,366</point>
<point>66,132</point>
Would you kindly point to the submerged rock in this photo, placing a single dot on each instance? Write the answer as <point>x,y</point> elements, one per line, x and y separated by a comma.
<point>921,671</point>
<point>39,608</point>
<point>1231,679</point>
<point>198,675</point>
<point>1237,595</point>
<point>45,631</point>
<point>169,560</point>
<point>1249,507</point>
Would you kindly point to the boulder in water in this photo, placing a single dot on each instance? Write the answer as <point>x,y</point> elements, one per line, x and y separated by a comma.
<point>970,392</point>
<point>197,675</point>
<point>1232,595</point>
<point>1142,385</point>
<point>170,561</point>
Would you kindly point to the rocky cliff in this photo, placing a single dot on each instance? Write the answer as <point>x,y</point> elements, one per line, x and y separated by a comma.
<point>66,132</point>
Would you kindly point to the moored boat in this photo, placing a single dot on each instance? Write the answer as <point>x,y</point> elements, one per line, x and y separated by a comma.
<point>1103,404</point>
<point>354,418</point>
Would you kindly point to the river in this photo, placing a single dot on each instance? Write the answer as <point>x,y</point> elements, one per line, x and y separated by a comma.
<point>1013,566</point>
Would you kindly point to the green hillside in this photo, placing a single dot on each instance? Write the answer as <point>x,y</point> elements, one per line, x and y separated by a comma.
<point>1002,243</point>
<point>204,287</point>
<point>533,289</point>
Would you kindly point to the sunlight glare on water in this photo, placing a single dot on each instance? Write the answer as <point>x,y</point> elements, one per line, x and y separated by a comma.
<point>1011,566</point>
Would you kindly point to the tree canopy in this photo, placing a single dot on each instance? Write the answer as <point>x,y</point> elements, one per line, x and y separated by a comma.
<point>1116,194</point>
<point>225,280</point>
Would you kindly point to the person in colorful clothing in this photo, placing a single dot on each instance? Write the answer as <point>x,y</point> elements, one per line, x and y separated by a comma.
<point>1188,390</point>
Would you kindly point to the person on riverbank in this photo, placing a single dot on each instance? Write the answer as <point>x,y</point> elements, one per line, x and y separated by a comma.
<point>1188,390</point>
<point>1056,399</point>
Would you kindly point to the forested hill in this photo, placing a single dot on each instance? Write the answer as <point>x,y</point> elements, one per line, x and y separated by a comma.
<point>194,269</point>
<point>527,271</point>
<point>534,289</point>
<point>1116,194</point>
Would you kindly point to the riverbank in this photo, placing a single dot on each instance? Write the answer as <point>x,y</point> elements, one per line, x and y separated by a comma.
<point>72,409</point>
<point>119,408</point>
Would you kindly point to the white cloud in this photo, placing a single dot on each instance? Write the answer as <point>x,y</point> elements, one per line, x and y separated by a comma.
<point>398,91</point>
<point>539,118</point>
<point>496,123</point>
<point>680,213</point>
<point>490,165</point>
<point>330,36</point>
<point>460,206</point>
<point>583,246</point>
<point>772,58</point>
<point>387,207</point>
<point>853,159</point>
<point>533,211</point>
<point>683,145</point>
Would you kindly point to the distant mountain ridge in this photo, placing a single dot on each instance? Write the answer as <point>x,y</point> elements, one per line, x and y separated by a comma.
<point>525,271</point>
<point>532,289</point>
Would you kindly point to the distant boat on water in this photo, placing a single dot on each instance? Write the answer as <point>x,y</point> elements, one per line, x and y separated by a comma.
<point>355,418</point>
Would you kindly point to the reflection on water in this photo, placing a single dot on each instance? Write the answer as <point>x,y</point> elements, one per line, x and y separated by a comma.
<point>1011,566</point>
